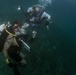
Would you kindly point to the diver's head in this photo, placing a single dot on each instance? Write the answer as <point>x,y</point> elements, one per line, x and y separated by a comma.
<point>18,28</point>
<point>16,25</point>
<point>38,8</point>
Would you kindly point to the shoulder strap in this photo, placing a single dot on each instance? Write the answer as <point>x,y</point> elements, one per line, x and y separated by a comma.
<point>9,32</point>
<point>13,35</point>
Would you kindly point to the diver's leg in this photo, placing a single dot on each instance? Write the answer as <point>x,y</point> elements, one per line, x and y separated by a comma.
<point>34,34</point>
<point>22,55</point>
<point>23,62</point>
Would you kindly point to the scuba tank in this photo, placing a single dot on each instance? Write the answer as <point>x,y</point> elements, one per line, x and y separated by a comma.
<point>3,35</point>
<point>2,26</point>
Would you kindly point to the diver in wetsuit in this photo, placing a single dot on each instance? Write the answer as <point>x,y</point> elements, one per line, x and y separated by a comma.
<point>34,16</point>
<point>37,15</point>
<point>12,46</point>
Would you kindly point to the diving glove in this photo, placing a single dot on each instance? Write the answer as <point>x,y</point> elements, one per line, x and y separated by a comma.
<point>7,61</point>
<point>10,63</point>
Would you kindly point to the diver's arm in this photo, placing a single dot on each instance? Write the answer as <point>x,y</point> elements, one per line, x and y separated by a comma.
<point>30,9</point>
<point>46,15</point>
<point>7,45</point>
<point>48,18</point>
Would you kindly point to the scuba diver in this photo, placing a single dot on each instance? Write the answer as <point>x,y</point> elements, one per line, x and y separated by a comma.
<point>11,45</point>
<point>34,16</point>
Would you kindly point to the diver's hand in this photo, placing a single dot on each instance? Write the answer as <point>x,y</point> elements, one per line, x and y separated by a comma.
<point>47,27</point>
<point>34,34</point>
<point>7,60</point>
<point>10,63</point>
